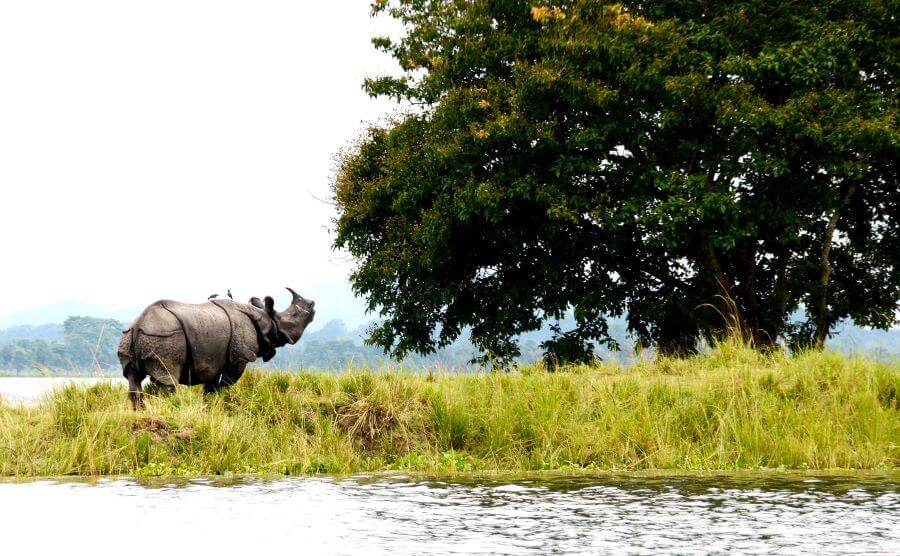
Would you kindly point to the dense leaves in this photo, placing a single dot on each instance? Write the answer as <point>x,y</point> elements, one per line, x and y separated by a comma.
<point>84,343</point>
<point>695,165</point>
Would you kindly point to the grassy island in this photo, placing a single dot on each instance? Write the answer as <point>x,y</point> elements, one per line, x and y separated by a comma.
<point>728,409</point>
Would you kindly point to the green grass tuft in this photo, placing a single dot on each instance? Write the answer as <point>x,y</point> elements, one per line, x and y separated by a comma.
<point>729,409</point>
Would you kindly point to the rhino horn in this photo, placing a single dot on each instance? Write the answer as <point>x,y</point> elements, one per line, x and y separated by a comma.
<point>297,296</point>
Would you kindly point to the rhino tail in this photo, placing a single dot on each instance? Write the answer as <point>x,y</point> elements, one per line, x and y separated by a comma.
<point>127,356</point>
<point>131,367</point>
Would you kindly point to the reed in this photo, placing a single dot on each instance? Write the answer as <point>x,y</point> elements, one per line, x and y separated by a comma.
<point>730,408</point>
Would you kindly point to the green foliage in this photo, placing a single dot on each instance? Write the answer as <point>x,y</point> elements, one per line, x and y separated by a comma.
<point>731,408</point>
<point>694,165</point>
<point>30,332</point>
<point>87,343</point>
<point>88,339</point>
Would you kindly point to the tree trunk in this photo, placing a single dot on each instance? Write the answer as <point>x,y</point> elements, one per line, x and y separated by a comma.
<point>820,310</point>
<point>748,288</point>
<point>722,285</point>
<point>782,296</point>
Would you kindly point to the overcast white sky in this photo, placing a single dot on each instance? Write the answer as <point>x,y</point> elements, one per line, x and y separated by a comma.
<point>170,149</point>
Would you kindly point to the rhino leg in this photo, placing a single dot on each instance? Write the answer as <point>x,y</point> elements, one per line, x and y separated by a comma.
<point>164,374</point>
<point>226,378</point>
<point>163,358</point>
<point>135,391</point>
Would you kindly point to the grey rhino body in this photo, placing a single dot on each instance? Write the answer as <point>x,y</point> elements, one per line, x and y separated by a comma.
<point>209,343</point>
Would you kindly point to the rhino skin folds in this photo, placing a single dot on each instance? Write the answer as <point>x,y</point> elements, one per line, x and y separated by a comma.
<point>208,343</point>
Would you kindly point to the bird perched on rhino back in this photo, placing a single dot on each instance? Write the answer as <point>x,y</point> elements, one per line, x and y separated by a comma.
<point>208,343</point>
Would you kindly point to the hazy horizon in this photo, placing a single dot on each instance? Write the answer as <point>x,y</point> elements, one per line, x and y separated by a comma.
<point>334,299</point>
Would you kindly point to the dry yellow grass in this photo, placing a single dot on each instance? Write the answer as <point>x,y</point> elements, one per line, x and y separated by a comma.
<point>729,409</point>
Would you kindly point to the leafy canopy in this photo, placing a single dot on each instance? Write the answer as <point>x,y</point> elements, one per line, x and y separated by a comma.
<point>694,165</point>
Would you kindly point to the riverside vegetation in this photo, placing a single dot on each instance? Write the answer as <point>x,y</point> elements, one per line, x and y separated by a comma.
<point>730,408</point>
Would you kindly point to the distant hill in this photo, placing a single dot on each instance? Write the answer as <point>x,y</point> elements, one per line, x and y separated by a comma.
<point>46,332</point>
<point>334,301</point>
<point>56,312</point>
<point>80,343</point>
<point>882,344</point>
<point>334,345</point>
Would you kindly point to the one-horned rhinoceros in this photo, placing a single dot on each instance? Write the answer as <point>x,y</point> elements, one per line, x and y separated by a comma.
<point>209,343</point>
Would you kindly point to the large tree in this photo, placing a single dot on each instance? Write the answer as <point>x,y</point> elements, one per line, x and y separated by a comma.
<point>696,165</point>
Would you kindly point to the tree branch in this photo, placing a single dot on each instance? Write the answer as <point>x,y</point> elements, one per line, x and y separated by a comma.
<point>823,322</point>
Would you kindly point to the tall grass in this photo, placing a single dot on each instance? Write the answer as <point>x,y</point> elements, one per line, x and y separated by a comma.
<point>731,408</point>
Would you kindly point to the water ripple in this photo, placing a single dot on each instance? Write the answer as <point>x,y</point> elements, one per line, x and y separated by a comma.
<point>404,515</point>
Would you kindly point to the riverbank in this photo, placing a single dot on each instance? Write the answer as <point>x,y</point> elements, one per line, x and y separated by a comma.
<point>730,409</point>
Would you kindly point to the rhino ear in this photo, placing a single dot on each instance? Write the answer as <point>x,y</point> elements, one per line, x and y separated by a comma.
<point>255,301</point>
<point>270,306</point>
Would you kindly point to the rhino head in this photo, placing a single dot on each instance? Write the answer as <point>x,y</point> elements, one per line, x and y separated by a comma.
<point>292,321</point>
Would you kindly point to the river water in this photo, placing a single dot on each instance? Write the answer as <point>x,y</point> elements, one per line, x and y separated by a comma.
<point>382,514</point>
<point>405,515</point>
<point>30,389</point>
